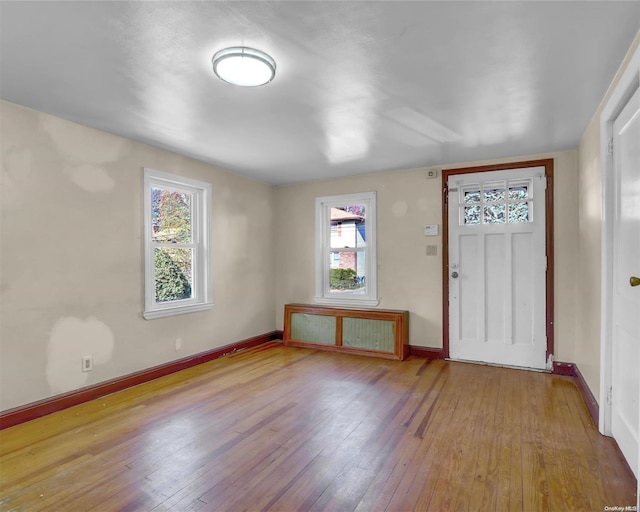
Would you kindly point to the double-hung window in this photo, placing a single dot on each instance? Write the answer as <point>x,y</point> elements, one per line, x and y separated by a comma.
<point>346,250</point>
<point>177,247</point>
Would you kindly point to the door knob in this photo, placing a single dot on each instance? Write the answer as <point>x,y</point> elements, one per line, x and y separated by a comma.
<point>455,274</point>
<point>634,281</point>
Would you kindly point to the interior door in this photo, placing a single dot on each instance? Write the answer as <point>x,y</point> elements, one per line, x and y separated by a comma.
<point>497,267</point>
<point>625,391</point>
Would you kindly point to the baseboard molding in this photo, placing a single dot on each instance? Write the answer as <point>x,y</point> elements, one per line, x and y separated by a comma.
<point>429,353</point>
<point>567,369</point>
<point>56,403</point>
<point>587,396</point>
<point>571,370</point>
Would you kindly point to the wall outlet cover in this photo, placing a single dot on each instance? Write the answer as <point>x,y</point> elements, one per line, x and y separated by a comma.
<point>87,363</point>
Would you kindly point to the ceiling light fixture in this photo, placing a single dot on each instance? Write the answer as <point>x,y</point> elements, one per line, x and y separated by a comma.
<point>244,66</point>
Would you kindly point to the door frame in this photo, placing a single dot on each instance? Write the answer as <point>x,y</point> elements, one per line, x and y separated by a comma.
<point>620,96</point>
<point>547,163</point>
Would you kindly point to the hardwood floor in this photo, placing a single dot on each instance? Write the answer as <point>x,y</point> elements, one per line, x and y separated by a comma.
<point>288,429</point>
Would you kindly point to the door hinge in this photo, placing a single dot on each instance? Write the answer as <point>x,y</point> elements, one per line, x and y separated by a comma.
<point>610,395</point>
<point>610,147</point>
<point>546,264</point>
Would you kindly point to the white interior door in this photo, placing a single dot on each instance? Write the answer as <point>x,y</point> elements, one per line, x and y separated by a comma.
<point>497,267</point>
<point>625,412</point>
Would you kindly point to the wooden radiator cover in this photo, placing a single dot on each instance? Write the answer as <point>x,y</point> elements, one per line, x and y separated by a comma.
<point>371,332</point>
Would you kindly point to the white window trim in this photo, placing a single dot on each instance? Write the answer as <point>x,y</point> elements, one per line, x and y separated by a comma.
<point>202,298</point>
<point>323,243</point>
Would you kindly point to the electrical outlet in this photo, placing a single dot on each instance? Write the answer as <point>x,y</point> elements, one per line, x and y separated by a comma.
<point>178,344</point>
<point>432,250</point>
<point>87,363</point>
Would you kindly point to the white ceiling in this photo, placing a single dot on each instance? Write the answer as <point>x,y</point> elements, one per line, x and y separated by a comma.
<point>360,86</point>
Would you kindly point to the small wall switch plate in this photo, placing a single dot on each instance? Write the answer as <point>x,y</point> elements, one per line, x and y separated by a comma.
<point>178,344</point>
<point>431,174</point>
<point>432,250</point>
<point>431,230</point>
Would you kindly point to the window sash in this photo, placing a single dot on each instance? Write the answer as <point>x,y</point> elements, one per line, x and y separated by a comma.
<point>201,297</point>
<point>324,250</point>
<point>193,282</point>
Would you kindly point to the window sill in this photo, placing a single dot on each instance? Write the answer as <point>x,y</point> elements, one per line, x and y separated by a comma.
<point>178,310</point>
<point>342,301</point>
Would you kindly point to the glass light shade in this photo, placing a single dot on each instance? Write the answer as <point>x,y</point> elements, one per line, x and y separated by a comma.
<point>243,66</point>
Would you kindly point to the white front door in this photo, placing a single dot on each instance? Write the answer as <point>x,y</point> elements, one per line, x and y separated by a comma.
<point>625,412</point>
<point>497,267</point>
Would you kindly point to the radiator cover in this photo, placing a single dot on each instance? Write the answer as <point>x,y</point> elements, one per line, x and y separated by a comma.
<point>373,332</point>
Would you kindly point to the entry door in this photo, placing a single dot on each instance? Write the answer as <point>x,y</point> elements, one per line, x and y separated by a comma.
<point>497,267</point>
<point>625,412</point>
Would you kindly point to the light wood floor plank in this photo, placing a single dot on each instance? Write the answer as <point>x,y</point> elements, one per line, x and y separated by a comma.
<point>278,428</point>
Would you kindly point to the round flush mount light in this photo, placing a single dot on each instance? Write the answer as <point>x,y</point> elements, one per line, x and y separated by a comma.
<point>244,66</point>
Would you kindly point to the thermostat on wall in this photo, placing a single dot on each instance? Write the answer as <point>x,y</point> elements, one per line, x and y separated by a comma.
<point>431,230</point>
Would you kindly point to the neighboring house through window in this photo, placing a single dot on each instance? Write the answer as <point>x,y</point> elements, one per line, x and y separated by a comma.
<point>345,250</point>
<point>177,247</point>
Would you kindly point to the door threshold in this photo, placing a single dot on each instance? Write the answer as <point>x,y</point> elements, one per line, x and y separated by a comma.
<point>498,365</point>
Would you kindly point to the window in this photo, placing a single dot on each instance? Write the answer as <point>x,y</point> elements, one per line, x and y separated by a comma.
<point>177,251</point>
<point>346,250</point>
<point>497,203</point>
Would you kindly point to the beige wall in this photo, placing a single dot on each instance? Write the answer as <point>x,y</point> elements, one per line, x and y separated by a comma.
<point>407,277</point>
<point>71,272</point>
<point>588,303</point>
<point>71,260</point>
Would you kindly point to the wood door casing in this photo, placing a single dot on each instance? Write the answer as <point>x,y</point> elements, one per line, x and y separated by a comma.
<point>548,165</point>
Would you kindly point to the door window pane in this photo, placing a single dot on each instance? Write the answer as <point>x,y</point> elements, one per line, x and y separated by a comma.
<point>494,194</point>
<point>494,214</point>
<point>472,196</point>
<point>518,193</point>
<point>518,212</point>
<point>472,214</point>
